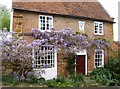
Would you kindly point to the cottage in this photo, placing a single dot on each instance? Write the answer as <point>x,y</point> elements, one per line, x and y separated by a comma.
<point>87,17</point>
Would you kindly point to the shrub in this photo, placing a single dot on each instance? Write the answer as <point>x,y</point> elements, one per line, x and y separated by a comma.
<point>102,76</point>
<point>9,79</point>
<point>41,81</point>
<point>60,82</point>
<point>77,77</point>
<point>114,66</point>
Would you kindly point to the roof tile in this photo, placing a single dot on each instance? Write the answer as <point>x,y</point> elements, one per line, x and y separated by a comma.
<point>80,9</point>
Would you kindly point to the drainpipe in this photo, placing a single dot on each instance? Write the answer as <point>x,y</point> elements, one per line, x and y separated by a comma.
<point>11,18</point>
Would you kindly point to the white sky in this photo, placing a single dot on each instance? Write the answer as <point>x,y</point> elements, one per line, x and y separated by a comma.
<point>110,5</point>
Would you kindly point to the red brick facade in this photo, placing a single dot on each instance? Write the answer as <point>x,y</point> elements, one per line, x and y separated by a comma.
<point>30,20</point>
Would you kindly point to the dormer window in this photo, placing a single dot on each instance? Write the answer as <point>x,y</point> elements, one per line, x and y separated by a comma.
<point>45,23</point>
<point>98,28</point>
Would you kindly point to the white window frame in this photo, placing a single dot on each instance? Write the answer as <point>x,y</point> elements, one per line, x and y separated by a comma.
<point>102,62</point>
<point>51,23</point>
<point>46,52</point>
<point>98,28</point>
<point>81,25</point>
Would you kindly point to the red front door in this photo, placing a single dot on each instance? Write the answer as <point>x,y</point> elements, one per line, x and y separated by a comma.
<point>80,64</point>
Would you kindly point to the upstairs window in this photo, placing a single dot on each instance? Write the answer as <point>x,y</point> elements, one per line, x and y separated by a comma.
<point>98,28</point>
<point>45,23</point>
<point>81,25</point>
<point>44,56</point>
<point>99,58</point>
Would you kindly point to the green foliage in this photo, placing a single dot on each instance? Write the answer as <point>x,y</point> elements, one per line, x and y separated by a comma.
<point>105,77</point>
<point>71,81</point>
<point>77,77</point>
<point>71,63</point>
<point>78,33</point>
<point>60,82</point>
<point>4,17</point>
<point>114,66</point>
<point>9,79</point>
<point>110,75</point>
<point>102,76</point>
<point>41,81</point>
<point>103,39</point>
<point>32,80</point>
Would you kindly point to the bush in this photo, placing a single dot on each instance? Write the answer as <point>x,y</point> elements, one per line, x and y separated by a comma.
<point>9,80</point>
<point>60,82</point>
<point>77,77</point>
<point>41,81</point>
<point>32,80</point>
<point>102,76</point>
<point>114,66</point>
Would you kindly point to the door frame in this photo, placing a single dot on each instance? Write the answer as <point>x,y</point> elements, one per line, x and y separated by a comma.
<point>82,52</point>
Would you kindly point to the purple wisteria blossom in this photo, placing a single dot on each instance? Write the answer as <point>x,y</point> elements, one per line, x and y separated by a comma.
<point>65,39</point>
<point>19,53</point>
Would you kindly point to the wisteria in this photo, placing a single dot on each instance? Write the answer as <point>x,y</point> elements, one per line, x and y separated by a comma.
<point>102,43</point>
<point>18,52</point>
<point>63,39</point>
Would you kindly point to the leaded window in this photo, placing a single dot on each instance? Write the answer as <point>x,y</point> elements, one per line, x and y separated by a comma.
<point>99,58</point>
<point>44,56</point>
<point>98,28</point>
<point>45,23</point>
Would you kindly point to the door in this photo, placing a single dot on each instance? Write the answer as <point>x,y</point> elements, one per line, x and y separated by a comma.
<point>80,64</point>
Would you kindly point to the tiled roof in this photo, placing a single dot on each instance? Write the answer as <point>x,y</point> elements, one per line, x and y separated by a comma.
<point>91,10</point>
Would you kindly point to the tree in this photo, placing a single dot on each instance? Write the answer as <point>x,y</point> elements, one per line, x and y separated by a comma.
<point>4,17</point>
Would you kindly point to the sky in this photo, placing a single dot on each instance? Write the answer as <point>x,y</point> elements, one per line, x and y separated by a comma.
<point>111,6</point>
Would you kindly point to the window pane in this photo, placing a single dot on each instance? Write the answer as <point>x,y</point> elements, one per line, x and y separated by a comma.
<point>98,27</point>
<point>45,22</point>
<point>98,58</point>
<point>46,60</point>
<point>43,17</point>
<point>81,25</point>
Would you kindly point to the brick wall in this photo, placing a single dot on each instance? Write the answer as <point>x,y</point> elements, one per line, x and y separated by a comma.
<point>30,20</point>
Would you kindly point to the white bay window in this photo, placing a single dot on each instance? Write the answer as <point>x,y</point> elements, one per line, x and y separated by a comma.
<point>44,61</point>
<point>44,57</point>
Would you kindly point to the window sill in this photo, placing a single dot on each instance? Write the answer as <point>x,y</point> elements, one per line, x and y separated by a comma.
<point>35,69</point>
<point>98,34</point>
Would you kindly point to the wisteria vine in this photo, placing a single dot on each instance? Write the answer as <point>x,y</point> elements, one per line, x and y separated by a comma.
<point>19,53</point>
